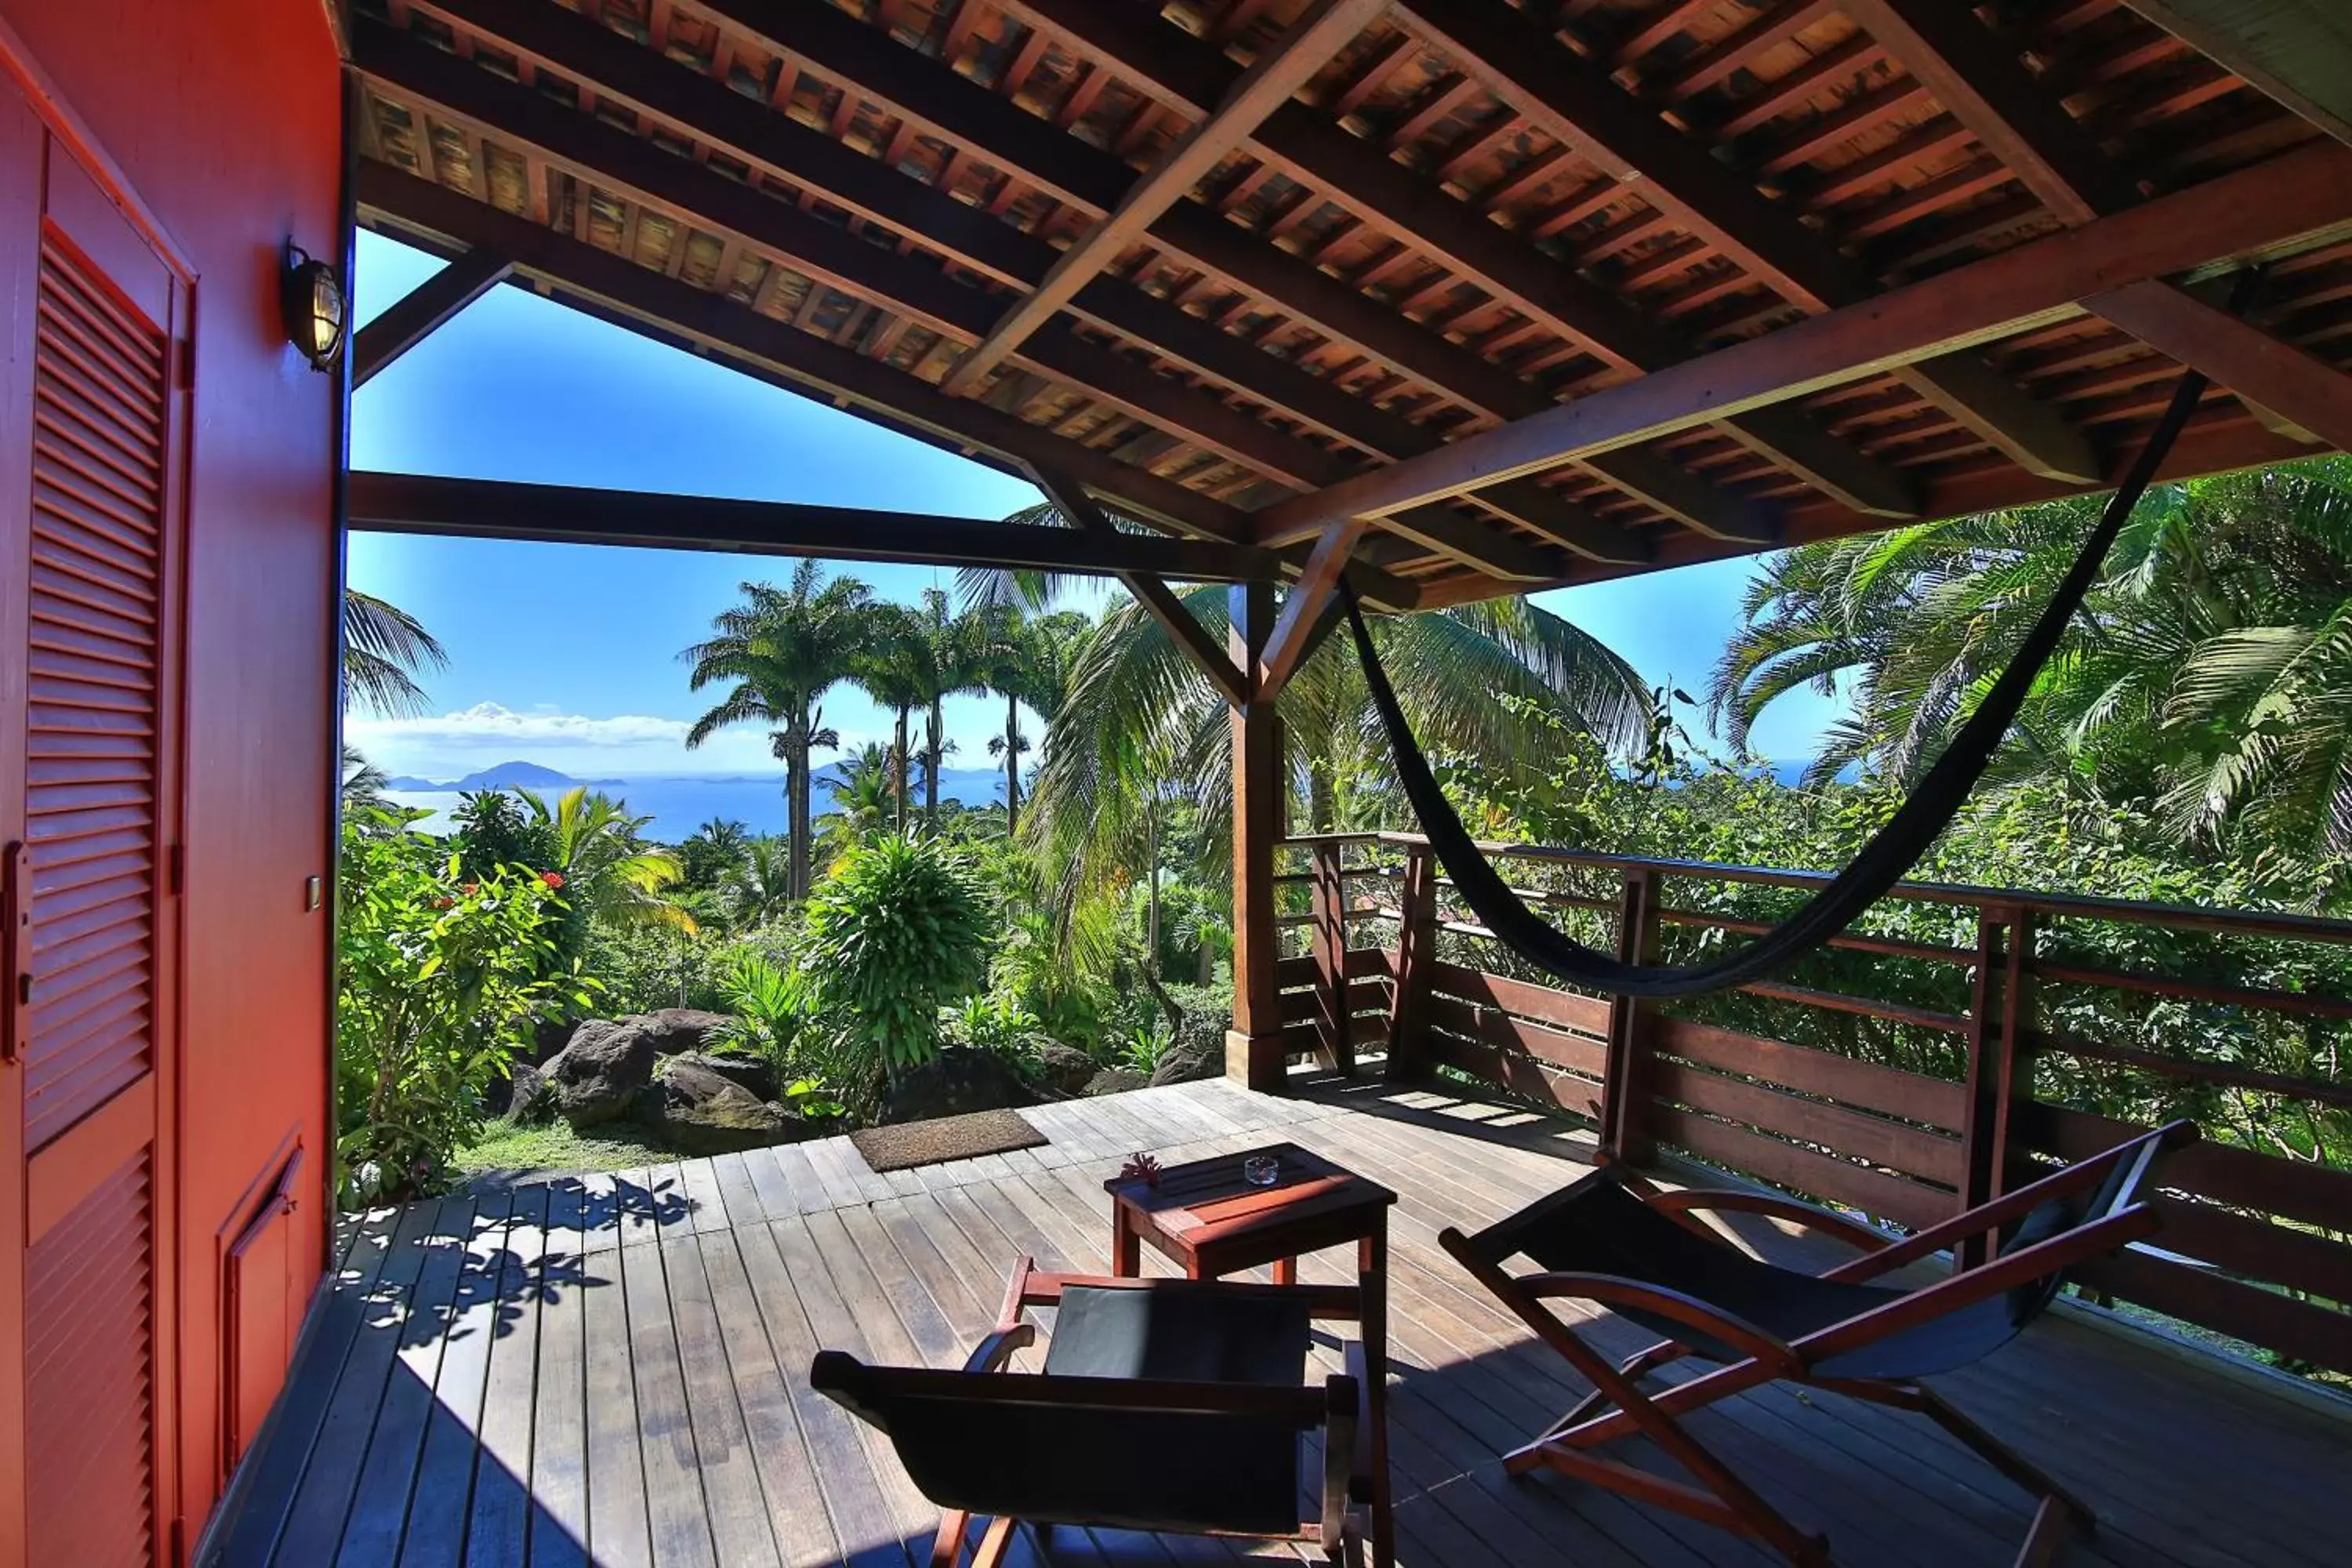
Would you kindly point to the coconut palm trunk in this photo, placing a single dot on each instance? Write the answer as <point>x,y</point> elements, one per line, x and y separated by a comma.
<point>1011,763</point>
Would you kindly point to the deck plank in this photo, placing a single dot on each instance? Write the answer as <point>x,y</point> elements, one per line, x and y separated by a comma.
<point>620,1531</point>
<point>499,1515</point>
<point>678,1513</point>
<point>614,1369</point>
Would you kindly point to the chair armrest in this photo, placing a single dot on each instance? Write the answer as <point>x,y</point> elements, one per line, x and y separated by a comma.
<point>992,1353</point>
<point>1681,1204</point>
<point>1615,1291</point>
<point>1972,1285</point>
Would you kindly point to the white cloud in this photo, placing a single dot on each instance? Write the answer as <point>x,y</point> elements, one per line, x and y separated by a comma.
<point>448,745</point>
<point>490,726</point>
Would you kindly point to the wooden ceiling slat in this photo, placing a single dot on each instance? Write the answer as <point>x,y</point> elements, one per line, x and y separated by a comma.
<point>733,332</point>
<point>2286,202</point>
<point>1981,80</point>
<point>1578,102</point>
<point>1266,87</point>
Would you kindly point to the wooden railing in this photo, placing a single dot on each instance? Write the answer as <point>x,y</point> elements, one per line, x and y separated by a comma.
<point>1939,1071</point>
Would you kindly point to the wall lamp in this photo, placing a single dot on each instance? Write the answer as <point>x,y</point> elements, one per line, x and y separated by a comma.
<point>310,294</point>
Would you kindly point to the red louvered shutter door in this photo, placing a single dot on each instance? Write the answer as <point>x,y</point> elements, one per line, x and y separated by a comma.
<point>88,1008</point>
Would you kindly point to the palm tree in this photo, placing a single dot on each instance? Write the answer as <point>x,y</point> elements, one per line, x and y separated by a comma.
<point>959,649</point>
<point>861,798</point>
<point>1028,660</point>
<point>384,647</point>
<point>608,869</point>
<point>758,888</point>
<point>894,666</point>
<point>713,852</point>
<point>1141,726</point>
<point>782,649</point>
<point>2207,678</point>
<point>364,784</point>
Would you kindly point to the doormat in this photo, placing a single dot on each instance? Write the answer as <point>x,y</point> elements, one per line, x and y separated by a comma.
<point>910,1143</point>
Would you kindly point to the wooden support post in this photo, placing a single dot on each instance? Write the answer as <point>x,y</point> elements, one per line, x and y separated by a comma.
<point>1625,1083</point>
<point>2000,1071</point>
<point>1334,1021</point>
<point>1253,1052</point>
<point>1416,951</point>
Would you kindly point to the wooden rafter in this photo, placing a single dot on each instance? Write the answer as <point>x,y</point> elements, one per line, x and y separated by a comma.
<point>424,311</point>
<point>1278,73</point>
<point>1378,190</point>
<point>1071,499</point>
<point>2297,51</point>
<point>576,270</point>
<point>2285,203</point>
<point>1980,78</point>
<point>701,108</point>
<point>416,503</point>
<point>1578,102</point>
<point>1293,635</point>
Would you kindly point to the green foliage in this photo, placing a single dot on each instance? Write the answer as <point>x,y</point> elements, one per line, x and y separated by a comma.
<point>439,973</point>
<point>1146,1044</point>
<point>993,1022</point>
<point>898,931</point>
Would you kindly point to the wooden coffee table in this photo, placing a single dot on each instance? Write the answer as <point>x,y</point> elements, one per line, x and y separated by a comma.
<point>1206,1218</point>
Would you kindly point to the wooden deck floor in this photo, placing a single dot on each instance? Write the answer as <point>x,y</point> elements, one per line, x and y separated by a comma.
<point>613,1370</point>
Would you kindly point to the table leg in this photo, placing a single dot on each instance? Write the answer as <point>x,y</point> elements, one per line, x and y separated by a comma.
<point>1286,1271</point>
<point>1126,1247</point>
<point>1372,1281</point>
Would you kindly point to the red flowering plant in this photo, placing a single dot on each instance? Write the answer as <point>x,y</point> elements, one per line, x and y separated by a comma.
<point>438,974</point>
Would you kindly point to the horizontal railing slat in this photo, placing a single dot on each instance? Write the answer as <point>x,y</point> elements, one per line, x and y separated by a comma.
<point>1931,1156</point>
<point>1880,1192</point>
<point>1914,1097</point>
<point>2292,1189</point>
<point>2257,1248</point>
<point>1520,1074</point>
<point>2298,1329</point>
<point>1574,1052</point>
<point>1564,1008</point>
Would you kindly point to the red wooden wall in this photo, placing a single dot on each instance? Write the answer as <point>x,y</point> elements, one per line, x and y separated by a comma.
<point>224,116</point>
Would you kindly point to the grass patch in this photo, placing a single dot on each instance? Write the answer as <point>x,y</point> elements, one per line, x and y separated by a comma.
<point>505,1149</point>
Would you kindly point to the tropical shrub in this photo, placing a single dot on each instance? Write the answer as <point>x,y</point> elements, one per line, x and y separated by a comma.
<point>439,970</point>
<point>901,929</point>
<point>995,1022</point>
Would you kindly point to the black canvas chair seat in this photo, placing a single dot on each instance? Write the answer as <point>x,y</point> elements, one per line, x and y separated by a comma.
<point>1617,1241</point>
<point>1605,1228</point>
<point>1162,1404</point>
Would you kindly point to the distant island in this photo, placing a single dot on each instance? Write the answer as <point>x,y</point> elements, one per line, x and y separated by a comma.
<point>504,775</point>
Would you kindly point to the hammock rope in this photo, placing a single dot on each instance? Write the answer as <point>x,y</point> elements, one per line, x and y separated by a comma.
<point>1883,861</point>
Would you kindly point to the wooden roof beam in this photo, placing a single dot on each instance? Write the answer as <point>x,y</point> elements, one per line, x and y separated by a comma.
<point>1361,176</point>
<point>1525,65</point>
<point>625,72</point>
<point>2291,202</point>
<point>633,165</point>
<point>1159,600</point>
<point>424,311</point>
<point>1278,73</point>
<point>2298,52</point>
<point>573,269</point>
<point>1980,79</point>
<point>417,503</point>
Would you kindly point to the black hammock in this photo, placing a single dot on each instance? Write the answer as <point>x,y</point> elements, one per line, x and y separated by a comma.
<point>1892,852</point>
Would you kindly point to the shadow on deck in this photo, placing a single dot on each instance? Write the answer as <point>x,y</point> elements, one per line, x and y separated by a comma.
<point>613,1369</point>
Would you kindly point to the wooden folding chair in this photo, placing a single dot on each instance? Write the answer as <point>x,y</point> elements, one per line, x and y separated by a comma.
<point>1613,1239</point>
<point>1162,1404</point>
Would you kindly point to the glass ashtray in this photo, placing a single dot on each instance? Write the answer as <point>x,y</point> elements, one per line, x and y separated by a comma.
<point>1262,1170</point>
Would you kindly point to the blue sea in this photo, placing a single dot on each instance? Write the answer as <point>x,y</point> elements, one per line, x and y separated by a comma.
<point>679,805</point>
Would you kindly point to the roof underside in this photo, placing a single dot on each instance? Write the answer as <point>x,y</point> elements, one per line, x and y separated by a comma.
<point>1207,260</point>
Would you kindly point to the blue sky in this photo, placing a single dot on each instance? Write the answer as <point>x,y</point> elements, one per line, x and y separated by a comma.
<point>567,655</point>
